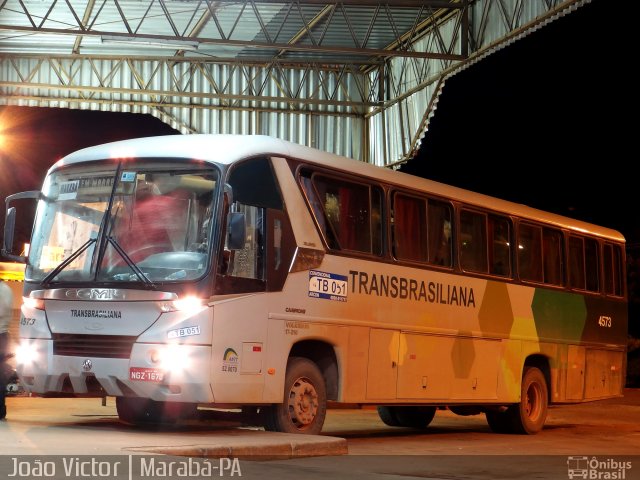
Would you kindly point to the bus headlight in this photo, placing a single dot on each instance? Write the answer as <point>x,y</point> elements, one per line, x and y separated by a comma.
<point>190,305</point>
<point>171,358</point>
<point>26,353</point>
<point>36,303</point>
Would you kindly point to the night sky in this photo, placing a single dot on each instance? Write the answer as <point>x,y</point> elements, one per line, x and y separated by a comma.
<point>539,122</point>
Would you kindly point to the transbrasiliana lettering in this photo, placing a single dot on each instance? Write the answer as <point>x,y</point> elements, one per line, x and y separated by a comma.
<point>96,313</point>
<point>411,289</point>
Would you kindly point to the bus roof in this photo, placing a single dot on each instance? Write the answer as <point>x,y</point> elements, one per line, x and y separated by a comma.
<point>226,149</point>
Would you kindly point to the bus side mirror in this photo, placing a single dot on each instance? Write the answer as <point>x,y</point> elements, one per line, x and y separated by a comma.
<point>10,224</point>
<point>9,231</point>
<point>236,231</point>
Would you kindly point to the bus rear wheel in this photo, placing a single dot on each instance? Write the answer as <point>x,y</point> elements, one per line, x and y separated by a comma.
<point>528,416</point>
<point>411,417</point>
<point>499,422</point>
<point>305,400</point>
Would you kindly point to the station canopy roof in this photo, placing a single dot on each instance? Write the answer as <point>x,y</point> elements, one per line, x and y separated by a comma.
<point>300,31</point>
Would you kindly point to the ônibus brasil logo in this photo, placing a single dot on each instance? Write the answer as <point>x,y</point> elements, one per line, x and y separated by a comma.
<point>597,468</point>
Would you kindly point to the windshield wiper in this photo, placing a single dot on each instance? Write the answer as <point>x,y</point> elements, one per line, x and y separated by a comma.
<point>106,224</point>
<point>139,273</point>
<point>66,262</point>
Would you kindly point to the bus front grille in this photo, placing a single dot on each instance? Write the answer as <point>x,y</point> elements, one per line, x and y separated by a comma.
<point>97,346</point>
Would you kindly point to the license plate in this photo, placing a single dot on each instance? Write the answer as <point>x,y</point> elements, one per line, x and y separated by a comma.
<point>327,285</point>
<point>142,374</point>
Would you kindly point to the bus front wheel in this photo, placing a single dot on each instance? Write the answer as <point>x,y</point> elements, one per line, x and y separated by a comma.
<point>305,400</point>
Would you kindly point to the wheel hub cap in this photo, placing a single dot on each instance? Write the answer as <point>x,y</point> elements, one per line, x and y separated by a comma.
<point>303,402</point>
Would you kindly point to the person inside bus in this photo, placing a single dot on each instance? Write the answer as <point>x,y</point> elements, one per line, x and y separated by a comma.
<point>6,313</point>
<point>442,241</point>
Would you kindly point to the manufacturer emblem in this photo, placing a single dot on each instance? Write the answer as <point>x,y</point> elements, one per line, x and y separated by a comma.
<point>87,365</point>
<point>95,294</point>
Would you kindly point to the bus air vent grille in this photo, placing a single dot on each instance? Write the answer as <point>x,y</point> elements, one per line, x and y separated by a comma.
<point>96,346</point>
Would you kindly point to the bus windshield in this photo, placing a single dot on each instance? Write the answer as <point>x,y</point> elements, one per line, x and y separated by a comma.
<point>141,221</point>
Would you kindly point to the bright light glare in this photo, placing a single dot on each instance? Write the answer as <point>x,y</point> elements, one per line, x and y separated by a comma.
<point>26,353</point>
<point>190,305</point>
<point>174,358</point>
<point>37,303</point>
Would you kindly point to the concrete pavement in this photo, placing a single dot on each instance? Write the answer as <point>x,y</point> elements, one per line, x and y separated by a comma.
<point>84,426</point>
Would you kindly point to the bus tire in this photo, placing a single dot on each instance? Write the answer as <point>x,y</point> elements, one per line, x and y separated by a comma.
<point>499,422</point>
<point>528,416</point>
<point>138,411</point>
<point>305,400</point>
<point>415,417</point>
<point>387,415</point>
<point>410,417</point>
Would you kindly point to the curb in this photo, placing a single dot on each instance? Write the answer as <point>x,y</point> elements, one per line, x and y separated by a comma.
<point>248,446</point>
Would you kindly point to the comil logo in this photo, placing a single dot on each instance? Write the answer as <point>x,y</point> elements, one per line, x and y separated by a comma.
<point>95,294</point>
<point>597,468</point>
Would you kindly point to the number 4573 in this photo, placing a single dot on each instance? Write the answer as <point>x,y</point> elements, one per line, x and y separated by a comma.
<point>604,321</point>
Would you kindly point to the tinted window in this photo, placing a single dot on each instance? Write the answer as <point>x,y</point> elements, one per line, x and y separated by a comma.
<point>409,228</point>
<point>552,256</point>
<point>473,241</point>
<point>592,264</point>
<point>500,243</point>
<point>347,213</point>
<point>422,230</point>
<point>439,216</point>
<point>530,252</point>
<point>576,263</point>
<point>613,281</point>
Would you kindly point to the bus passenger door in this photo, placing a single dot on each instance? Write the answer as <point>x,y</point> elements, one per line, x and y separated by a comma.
<point>382,372</point>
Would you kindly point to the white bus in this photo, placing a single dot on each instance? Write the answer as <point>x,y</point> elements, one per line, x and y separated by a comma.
<point>244,271</point>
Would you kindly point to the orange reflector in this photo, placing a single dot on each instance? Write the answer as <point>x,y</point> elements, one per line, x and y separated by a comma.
<point>271,371</point>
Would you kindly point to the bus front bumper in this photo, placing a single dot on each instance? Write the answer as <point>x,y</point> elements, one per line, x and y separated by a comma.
<point>173,373</point>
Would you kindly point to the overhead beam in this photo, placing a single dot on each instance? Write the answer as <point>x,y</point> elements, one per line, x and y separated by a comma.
<point>321,49</point>
<point>370,3</point>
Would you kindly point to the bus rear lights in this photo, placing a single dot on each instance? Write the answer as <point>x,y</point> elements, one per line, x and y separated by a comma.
<point>35,303</point>
<point>190,305</point>
<point>26,353</point>
<point>171,358</point>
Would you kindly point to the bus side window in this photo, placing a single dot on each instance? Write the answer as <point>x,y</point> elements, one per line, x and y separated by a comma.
<point>409,228</point>
<point>592,264</point>
<point>473,241</point>
<point>439,217</point>
<point>313,197</point>
<point>348,213</point>
<point>612,270</point>
<point>584,264</point>
<point>552,256</point>
<point>576,263</point>
<point>530,253</point>
<point>255,191</point>
<point>248,262</point>
<point>500,246</point>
